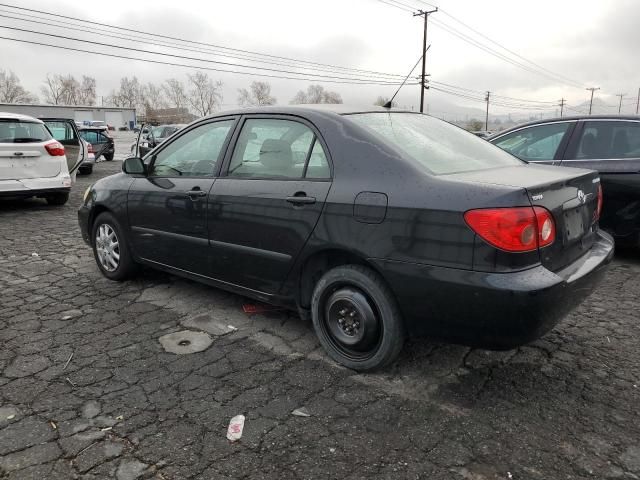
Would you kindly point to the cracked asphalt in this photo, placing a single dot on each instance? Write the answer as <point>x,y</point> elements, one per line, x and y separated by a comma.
<point>88,391</point>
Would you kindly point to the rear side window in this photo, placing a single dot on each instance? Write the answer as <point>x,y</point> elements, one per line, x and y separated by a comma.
<point>608,140</point>
<point>438,146</point>
<point>278,149</point>
<point>536,143</point>
<point>12,131</point>
<point>90,136</point>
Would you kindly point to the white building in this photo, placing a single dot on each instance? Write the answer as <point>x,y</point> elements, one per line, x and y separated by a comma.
<point>114,116</point>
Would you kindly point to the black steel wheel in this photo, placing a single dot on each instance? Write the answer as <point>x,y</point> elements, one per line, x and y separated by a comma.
<point>356,318</point>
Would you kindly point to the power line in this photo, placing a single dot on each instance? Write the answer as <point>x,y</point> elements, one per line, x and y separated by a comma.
<point>85,21</point>
<point>453,31</point>
<point>107,33</point>
<point>182,57</point>
<point>197,67</point>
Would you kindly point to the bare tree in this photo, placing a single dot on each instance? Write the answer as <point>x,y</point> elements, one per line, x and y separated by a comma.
<point>175,92</point>
<point>87,91</point>
<point>11,91</point>
<point>204,95</point>
<point>316,94</point>
<point>260,94</point>
<point>70,90</point>
<point>53,90</point>
<point>153,97</point>
<point>129,93</point>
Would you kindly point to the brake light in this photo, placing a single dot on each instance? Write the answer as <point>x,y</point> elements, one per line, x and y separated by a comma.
<point>517,229</point>
<point>600,201</point>
<point>55,149</point>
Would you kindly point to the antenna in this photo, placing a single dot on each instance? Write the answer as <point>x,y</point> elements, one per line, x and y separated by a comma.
<point>390,102</point>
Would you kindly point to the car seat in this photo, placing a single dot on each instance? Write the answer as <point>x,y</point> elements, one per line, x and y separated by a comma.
<point>276,157</point>
<point>588,147</point>
<point>621,145</point>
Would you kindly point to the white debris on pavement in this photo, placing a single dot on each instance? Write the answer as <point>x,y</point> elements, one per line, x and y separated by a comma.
<point>236,425</point>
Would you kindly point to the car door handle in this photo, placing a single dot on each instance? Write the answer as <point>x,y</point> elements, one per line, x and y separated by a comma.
<point>195,193</point>
<point>301,200</point>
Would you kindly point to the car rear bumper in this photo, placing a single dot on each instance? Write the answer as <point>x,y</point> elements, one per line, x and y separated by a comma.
<point>494,310</point>
<point>31,187</point>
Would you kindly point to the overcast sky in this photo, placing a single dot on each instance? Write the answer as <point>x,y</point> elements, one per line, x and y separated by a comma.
<point>593,43</point>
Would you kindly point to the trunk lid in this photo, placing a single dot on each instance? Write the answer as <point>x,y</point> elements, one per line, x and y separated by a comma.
<point>27,160</point>
<point>571,195</point>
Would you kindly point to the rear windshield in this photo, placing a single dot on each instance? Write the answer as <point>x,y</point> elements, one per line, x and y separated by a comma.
<point>438,146</point>
<point>14,131</point>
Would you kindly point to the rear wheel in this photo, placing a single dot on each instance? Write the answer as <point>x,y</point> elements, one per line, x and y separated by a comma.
<point>86,170</point>
<point>108,157</point>
<point>356,318</point>
<point>110,248</point>
<point>57,198</point>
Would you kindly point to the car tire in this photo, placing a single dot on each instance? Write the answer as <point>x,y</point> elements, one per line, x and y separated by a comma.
<point>88,170</point>
<point>57,199</point>
<point>356,318</point>
<point>108,157</point>
<point>114,261</point>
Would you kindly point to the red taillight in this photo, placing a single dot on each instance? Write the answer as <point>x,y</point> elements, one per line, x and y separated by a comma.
<point>55,149</point>
<point>517,229</point>
<point>90,148</point>
<point>599,206</point>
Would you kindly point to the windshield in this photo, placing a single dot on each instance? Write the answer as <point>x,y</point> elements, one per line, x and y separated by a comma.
<point>14,131</point>
<point>437,145</point>
<point>157,132</point>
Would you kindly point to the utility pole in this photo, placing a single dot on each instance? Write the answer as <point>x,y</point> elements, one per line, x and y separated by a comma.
<point>561,105</point>
<point>486,119</point>
<point>620,105</point>
<point>425,14</point>
<point>593,89</point>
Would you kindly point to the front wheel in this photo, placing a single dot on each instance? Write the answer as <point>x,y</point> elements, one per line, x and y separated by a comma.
<point>110,248</point>
<point>356,318</point>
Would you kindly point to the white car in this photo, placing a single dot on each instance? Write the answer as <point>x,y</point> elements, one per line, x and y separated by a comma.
<point>34,163</point>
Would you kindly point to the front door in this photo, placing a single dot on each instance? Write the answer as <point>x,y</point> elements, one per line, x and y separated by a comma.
<point>266,205</point>
<point>167,208</point>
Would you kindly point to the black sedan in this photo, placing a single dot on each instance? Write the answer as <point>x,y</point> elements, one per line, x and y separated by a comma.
<point>373,224</point>
<point>608,144</point>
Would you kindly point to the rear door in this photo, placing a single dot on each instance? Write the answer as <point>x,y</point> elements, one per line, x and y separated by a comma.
<point>267,202</point>
<point>611,146</point>
<point>542,143</point>
<point>167,208</point>
<point>66,132</point>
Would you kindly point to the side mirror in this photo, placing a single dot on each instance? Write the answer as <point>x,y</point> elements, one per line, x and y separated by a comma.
<point>134,166</point>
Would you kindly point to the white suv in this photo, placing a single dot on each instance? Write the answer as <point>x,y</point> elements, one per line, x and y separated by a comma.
<point>33,163</point>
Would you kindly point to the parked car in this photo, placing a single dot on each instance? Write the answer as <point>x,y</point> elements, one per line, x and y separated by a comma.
<point>609,144</point>
<point>102,142</point>
<point>34,162</point>
<point>374,224</point>
<point>155,137</point>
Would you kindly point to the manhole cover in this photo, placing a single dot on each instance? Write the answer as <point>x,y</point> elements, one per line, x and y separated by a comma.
<point>185,342</point>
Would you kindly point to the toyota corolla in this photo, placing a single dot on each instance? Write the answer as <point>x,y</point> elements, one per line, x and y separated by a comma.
<point>373,224</point>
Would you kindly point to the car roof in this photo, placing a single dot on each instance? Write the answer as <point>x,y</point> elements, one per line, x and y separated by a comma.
<point>91,127</point>
<point>566,119</point>
<point>337,108</point>
<point>19,116</point>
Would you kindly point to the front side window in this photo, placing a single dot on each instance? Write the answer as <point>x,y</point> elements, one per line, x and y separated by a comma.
<point>606,140</point>
<point>536,143</point>
<point>194,154</point>
<point>439,147</point>
<point>12,131</point>
<point>275,148</point>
